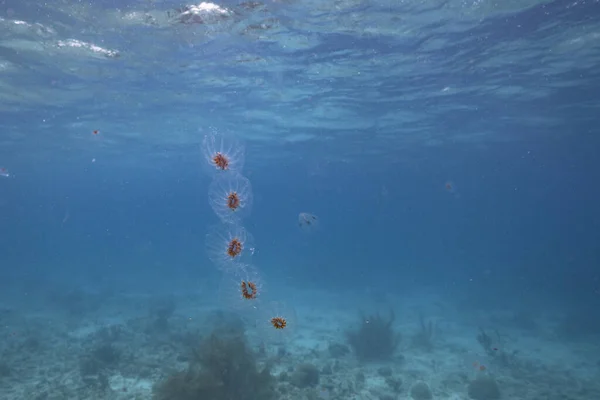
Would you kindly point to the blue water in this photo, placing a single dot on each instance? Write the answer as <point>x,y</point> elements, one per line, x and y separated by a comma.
<point>358,112</point>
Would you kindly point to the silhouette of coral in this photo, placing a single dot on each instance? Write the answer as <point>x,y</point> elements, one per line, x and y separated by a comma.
<point>425,337</point>
<point>99,359</point>
<point>305,375</point>
<point>4,369</point>
<point>421,391</point>
<point>222,369</point>
<point>161,310</point>
<point>374,339</point>
<point>484,388</point>
<point>495,349</point>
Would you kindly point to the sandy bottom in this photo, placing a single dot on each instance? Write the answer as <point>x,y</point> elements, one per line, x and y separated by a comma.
<point>86,345</point>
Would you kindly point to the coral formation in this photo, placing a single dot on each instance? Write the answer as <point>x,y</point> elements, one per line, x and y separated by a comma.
<point>421,391</point>
<point>305,375</point>
<point>495,349</point>
<point>98,363</point>
<point>99,359</point>
<point>424,338</point>
<point>486,342</point>
<point>4,369</point>
<point>374,339</point>
<point>395,383</point>
<point>484,387</point>
<point>162,310</point>
<point>76,302</point>
<point>338,350</point>
<point>223,368</point>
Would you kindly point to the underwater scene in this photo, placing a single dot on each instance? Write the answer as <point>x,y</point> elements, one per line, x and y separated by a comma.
<point>300,200</point>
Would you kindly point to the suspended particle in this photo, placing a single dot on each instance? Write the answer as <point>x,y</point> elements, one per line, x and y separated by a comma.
<point>229,246</point>
<point>230,196</point>
<point>222,153</point>
<point>451,188</point>
<point>308,222</point>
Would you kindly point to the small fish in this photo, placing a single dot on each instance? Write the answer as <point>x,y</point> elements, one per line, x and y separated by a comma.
<point>4,172</point>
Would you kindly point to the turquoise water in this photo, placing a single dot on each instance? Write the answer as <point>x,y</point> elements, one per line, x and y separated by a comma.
<point>446,149</point>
